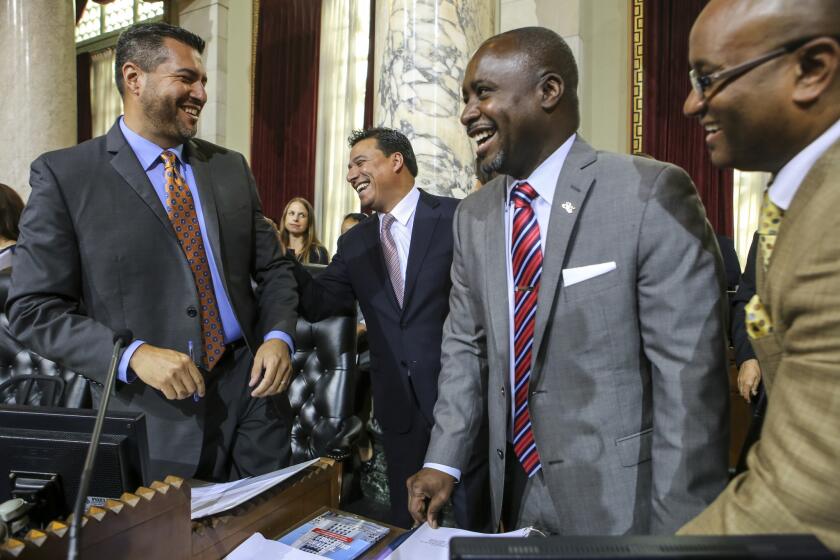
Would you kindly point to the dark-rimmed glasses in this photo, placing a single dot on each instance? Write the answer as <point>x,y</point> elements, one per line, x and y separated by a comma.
<point>702,82</point>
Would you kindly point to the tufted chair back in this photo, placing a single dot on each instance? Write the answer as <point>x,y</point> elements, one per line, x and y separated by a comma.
<point>323,392</point>
<point>16,361</point>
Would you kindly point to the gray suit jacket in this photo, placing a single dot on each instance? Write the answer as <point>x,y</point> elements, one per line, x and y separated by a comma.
<point>97,253</point>
<point>629,394</point>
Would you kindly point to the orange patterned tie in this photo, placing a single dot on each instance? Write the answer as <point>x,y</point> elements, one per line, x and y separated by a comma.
<point>181,210</point>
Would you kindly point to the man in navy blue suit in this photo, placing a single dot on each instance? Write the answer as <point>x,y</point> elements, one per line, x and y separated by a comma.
<point>396,264</point>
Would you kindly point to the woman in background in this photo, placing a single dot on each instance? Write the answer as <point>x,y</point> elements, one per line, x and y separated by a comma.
<point>297,233</point>
<point>11,205</point>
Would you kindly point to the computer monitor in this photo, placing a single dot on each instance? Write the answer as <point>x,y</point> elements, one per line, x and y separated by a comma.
<point>627,547</point>
<point>43,450</point>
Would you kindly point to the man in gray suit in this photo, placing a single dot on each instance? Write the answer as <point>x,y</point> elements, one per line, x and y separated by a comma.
<point>147,229</point>
<point>586,318</point>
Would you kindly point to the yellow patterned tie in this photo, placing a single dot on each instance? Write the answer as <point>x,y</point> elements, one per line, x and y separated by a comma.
<point>757,318</point>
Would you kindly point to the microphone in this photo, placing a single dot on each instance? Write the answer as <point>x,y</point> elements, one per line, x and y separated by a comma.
<point>121,338</point>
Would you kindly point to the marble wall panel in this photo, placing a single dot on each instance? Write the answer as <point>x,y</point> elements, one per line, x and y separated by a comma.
<point>422,50</point>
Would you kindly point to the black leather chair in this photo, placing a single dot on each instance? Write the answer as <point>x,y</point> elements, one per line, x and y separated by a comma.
<point>323,392</point>
<point>33,390</point>
<point>16,361</point>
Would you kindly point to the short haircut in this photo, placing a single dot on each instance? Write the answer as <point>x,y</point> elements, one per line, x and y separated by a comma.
<point>11,206</point>
<point>355,216</point>
<point>142,44</point>
<point>388,141</point>
<point>546,49</point>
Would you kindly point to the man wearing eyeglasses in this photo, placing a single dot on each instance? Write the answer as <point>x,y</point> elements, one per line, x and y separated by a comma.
<point>766,87</point>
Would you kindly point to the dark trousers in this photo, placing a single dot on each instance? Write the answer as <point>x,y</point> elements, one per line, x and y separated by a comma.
<point>405,453</point>
<point>243,435</point>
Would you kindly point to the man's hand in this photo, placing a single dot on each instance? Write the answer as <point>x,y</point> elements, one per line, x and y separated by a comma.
<point>275,365</point>
<point>432,485</point>
<point>168,371</point>
<point>749,376</point>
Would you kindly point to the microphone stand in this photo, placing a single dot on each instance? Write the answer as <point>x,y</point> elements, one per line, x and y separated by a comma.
<point>120,339</point>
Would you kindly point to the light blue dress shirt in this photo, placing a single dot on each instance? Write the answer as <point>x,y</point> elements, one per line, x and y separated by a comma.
<point>148,153</point>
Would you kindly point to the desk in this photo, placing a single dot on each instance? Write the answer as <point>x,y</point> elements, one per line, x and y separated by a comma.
<point>154,521</point>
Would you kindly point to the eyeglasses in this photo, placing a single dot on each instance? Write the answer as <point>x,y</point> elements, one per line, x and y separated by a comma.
<point>702,82</point>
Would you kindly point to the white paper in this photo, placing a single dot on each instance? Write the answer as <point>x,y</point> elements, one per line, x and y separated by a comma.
<point>572,276</point>
<point>208,499</point>
<point>257,547</point>
<point>433,544</point>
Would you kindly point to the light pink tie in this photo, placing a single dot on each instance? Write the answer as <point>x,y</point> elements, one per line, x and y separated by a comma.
<point>392,257</point>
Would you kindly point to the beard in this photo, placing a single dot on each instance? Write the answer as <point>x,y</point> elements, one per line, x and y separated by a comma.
<point>493,167</point>
<point>162,113</point>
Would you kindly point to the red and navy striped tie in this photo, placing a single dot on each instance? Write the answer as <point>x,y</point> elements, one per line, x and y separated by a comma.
<point>526,260</point>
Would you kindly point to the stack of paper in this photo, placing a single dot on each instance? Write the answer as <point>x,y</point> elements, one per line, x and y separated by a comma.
<point>209,498</point>
<point>433,544</point>
<point>257,547</point>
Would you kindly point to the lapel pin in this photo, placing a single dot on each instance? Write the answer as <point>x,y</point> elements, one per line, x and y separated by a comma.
<point>568,207</point>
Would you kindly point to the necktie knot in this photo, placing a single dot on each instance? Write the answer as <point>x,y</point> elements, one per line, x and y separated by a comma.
<point>771,217</point>
<point>169,159</point>
<point>387,220</point>
<point>523,194</point>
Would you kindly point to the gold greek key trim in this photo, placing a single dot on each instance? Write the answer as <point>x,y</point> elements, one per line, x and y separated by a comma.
<point>255,28</point>
<point>637,73</point>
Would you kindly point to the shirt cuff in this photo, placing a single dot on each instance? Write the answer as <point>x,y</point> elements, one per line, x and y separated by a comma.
<point>280,335</point>
<point>454,473</point>
<point>124,374</point>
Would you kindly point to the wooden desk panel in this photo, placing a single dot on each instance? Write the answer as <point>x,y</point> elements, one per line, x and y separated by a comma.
<point>155,522</point>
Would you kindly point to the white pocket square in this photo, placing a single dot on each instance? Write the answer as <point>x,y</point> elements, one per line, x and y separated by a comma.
<point>572,276</point>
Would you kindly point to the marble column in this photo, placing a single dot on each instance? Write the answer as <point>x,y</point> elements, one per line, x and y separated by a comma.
<point>209,20</point>
<point>422,50</point>
<point>38,74</point>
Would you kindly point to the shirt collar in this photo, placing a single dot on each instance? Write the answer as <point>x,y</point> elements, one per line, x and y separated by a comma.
<point>790,177</point>
<point>404,209</point>
<point>544,177</point>
<point>147,152</point>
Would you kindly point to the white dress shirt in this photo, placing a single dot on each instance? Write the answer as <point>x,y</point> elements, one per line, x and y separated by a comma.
<point>544,180</point>
<point>790,177</point>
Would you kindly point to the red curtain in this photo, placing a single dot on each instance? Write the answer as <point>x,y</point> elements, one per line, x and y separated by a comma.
<point>667,134</point>
<point>369,93</point>
<point>286,101</point>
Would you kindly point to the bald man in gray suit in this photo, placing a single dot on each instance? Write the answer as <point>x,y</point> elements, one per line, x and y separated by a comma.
<point>598,356</point>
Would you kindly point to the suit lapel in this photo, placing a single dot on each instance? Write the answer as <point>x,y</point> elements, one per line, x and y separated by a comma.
<point>426,218</point>
<point>125,163</point>
<point>824,167</point>
<point>573,184</point>
<point>496,271</point>
<point>206,192</point>
<point>377,259</point>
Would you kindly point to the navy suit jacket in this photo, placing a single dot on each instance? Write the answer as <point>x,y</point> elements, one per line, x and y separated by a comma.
<point>404,343</point>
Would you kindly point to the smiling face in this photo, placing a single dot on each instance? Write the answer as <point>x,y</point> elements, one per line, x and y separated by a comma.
<point>502,111</point>
<point>171,96</point>
<point>374,176</point>
<point>297,219</point>
<point>746,118</point>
